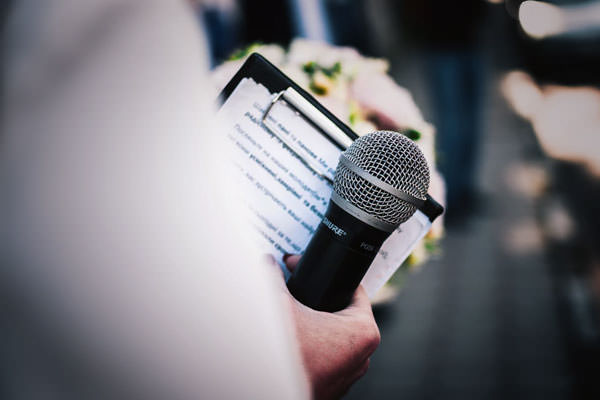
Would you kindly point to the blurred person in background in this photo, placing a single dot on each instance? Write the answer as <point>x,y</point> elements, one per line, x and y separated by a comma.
<point>347,20</point>
<point>222,20</point>
<point>125,271</point>
<point>232,25</point>
<point>448,31</point>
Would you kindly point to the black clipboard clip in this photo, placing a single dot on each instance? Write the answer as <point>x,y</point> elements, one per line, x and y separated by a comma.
<point>304,109</point>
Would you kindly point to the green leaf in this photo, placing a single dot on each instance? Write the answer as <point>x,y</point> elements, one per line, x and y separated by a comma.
<point>317,89</point>
<point>243,52</point>
<point>412,134</point>
<point>333,70</point>
<point>353,117</point>
<point>310,67</point>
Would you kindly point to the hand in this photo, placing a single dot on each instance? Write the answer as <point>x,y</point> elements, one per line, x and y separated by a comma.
<point>335,347</point>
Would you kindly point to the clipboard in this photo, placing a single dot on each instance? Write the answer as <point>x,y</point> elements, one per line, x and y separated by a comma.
<point>304,104</point>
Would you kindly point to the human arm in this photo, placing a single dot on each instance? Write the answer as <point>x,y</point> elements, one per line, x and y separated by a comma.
<point>335,347</point>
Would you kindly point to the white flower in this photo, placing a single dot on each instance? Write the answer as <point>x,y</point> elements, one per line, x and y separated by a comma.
<point>426,142</point>
<point>337,107</point>
<point>303,51</point>
<point>272,52</point>
<point>392,104</point>
<point>224,72</point>
<point>363,127</point>
<point>437,190</point>
<point>296,74</point>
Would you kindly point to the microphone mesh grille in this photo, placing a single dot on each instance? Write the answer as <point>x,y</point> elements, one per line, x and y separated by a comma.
<point>393,158</point>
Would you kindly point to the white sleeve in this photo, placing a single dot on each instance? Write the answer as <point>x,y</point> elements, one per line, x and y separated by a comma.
<point>114,218</point>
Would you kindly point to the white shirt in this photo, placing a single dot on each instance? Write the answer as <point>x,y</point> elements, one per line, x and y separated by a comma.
<point>130,273</point>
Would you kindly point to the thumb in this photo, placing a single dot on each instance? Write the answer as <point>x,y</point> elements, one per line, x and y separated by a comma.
<point>360,301</point>
<point>291,261</point>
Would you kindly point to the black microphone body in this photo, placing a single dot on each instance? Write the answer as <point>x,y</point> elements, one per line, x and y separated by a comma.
<point>335,260</point>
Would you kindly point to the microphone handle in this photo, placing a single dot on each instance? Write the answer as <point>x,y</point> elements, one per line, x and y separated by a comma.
<point>335,261</point>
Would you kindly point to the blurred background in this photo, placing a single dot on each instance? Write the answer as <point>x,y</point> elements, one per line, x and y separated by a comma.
<point>508,305</point>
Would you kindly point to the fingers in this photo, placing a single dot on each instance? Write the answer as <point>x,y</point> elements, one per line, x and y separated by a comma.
<point>361,308</point>
<point>291,261</point>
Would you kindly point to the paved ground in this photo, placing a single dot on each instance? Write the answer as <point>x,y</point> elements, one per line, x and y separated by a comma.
<point>481,321</point>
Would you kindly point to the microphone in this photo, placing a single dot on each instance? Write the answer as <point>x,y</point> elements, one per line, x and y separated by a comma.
<point>380,181</point>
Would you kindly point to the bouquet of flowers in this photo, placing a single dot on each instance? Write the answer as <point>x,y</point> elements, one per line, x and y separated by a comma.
<point>359,91</point>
